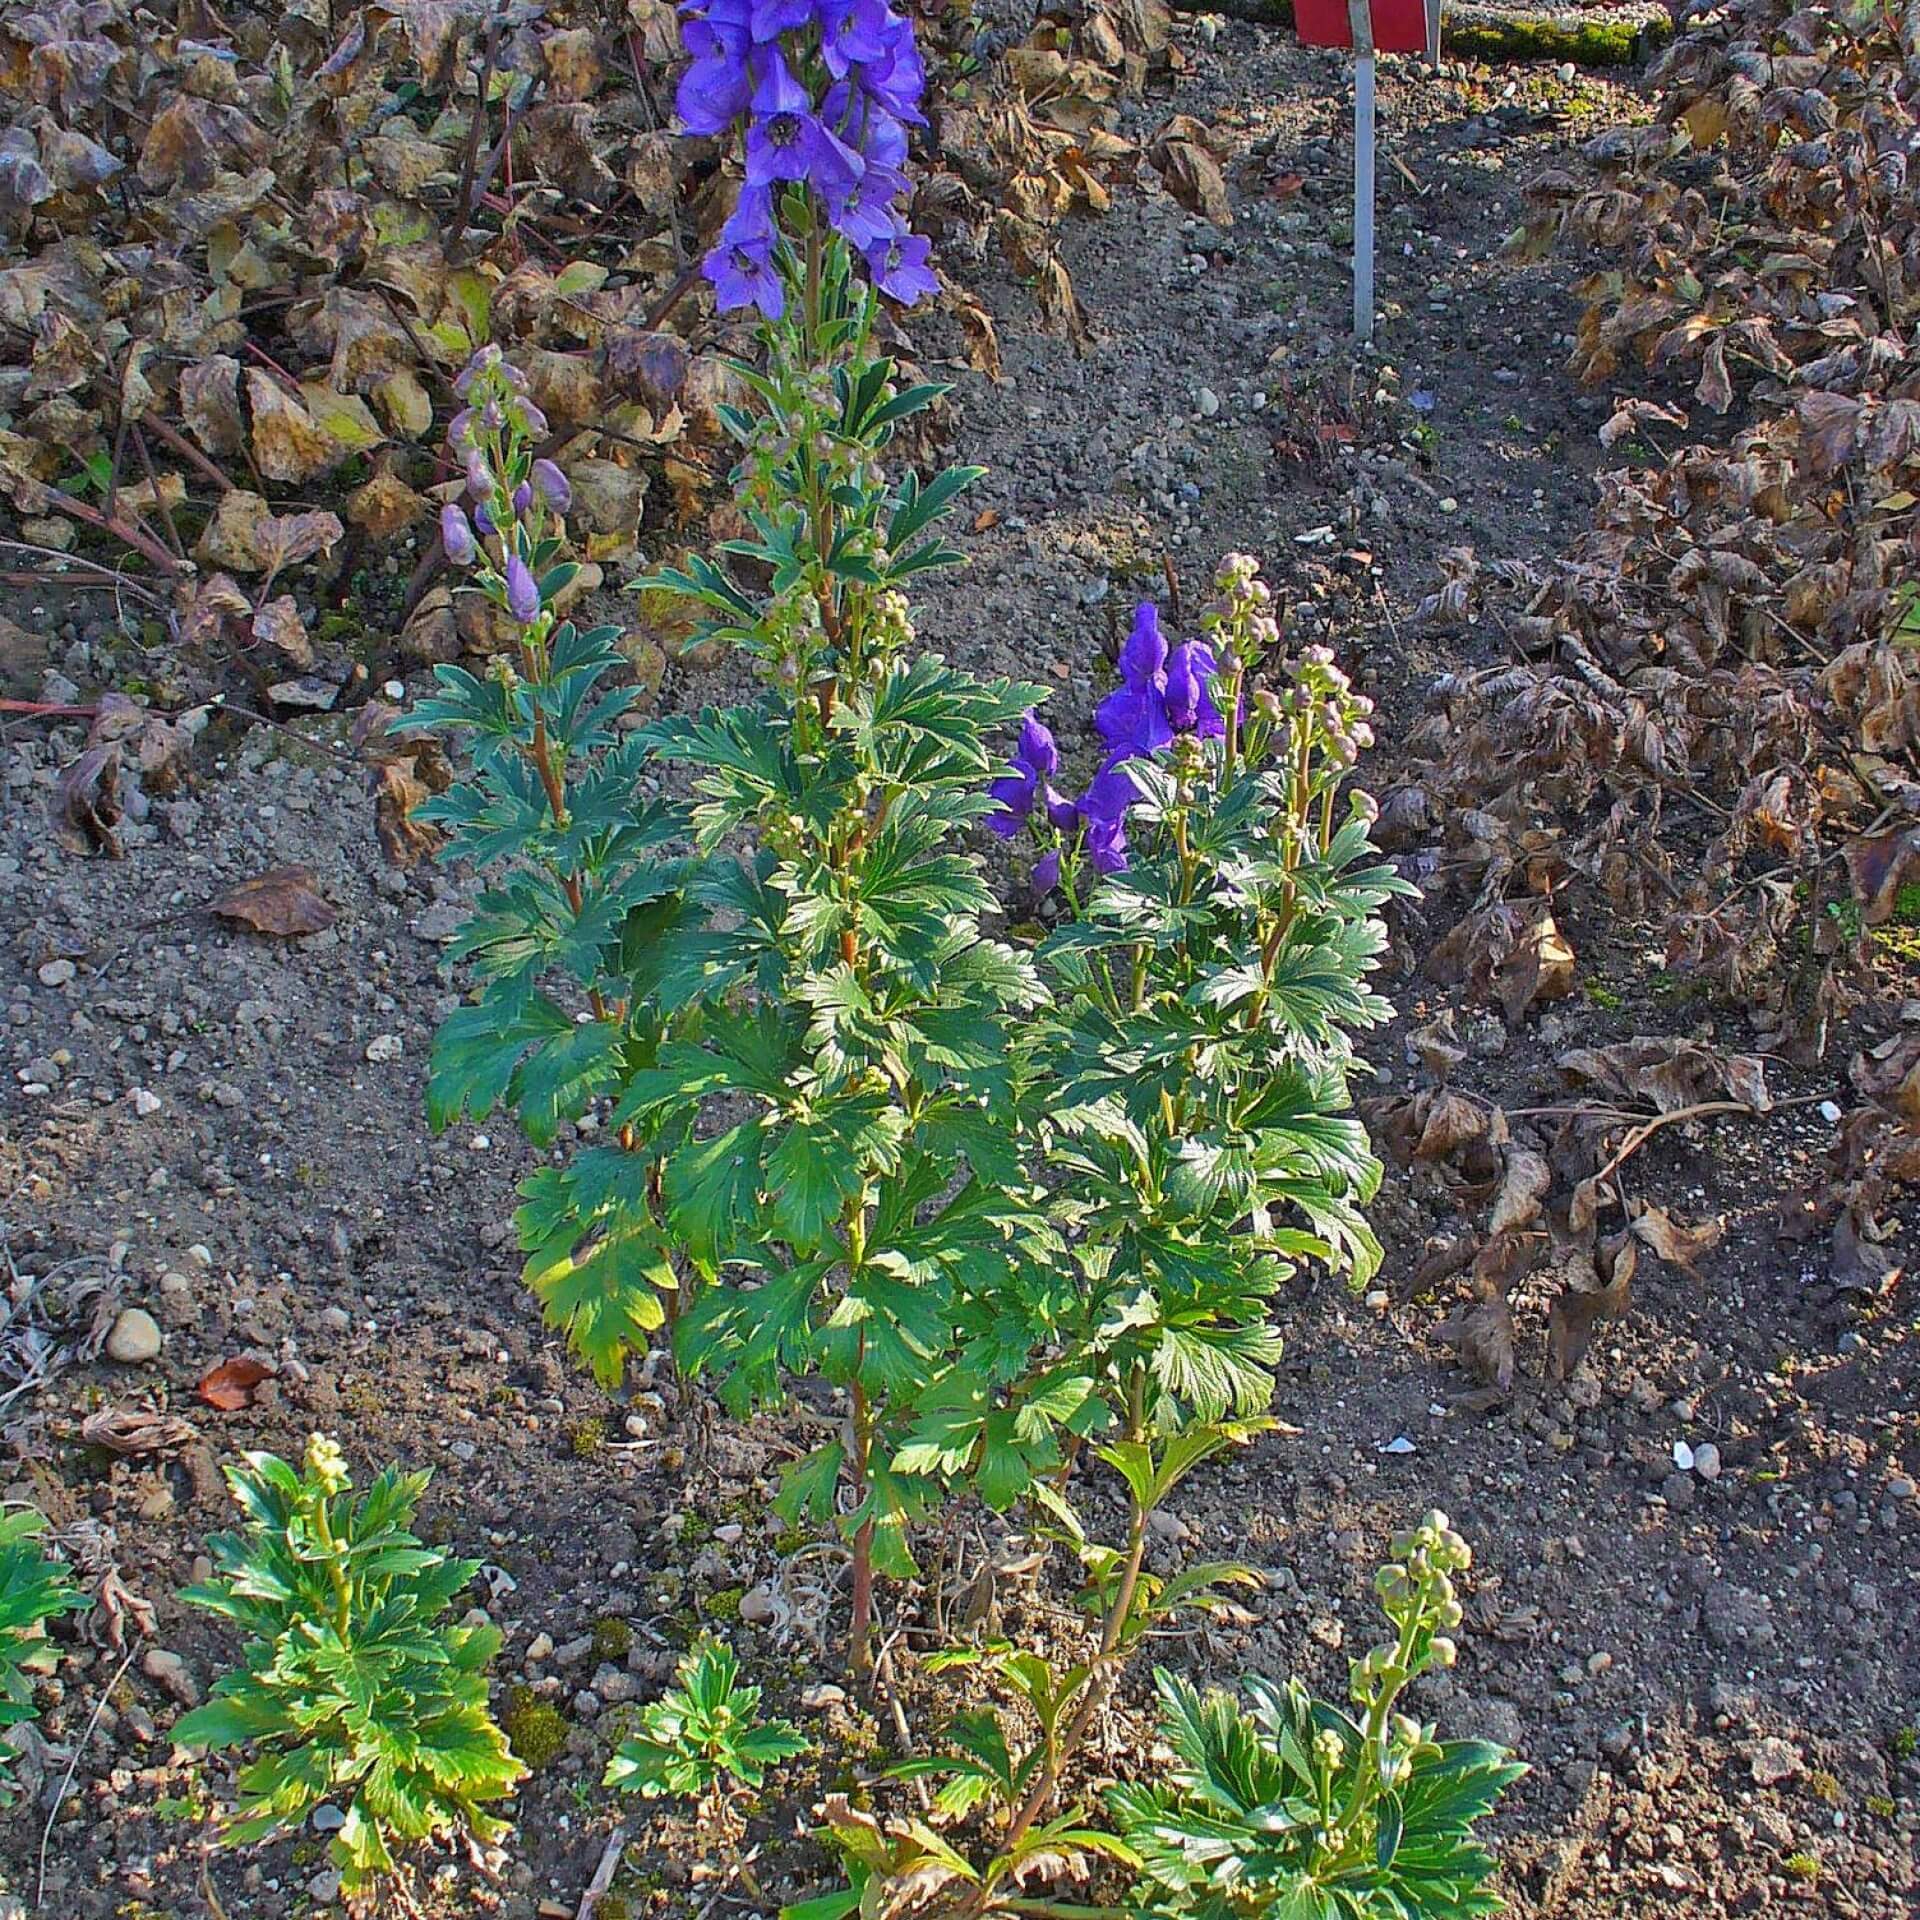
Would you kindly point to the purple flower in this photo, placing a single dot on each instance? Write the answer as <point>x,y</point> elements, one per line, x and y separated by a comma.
<point>1189,705</point>
<point>1035,760</point>
<point>483,518</point>
<point>1103,807</point>
<point>743,275</point>
<point>522,497</point>
<point>456,536</point>
<point>899,81</point>
<point>553,485</point>
<point>876,135</point>
<point>479,476</point>
<point>863,212</point>
<point>769,19</point>
<point>853,32</point>
<point>899,267</point>
<point>1046,871</point>
<point>1133,718</point>
<point>523,592</point>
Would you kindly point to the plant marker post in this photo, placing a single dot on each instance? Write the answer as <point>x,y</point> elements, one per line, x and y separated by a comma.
<point>1360,18</point>
<point>1369,27</point>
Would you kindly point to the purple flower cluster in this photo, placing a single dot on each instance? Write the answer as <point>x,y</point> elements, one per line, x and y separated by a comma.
<point>1163,692</point>
<point>498,413</point>
<point>827,89</point>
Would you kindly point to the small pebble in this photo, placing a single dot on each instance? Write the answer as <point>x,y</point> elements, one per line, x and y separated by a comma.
<point>56,973</point>
<point>135,1338</point>
<point>1706,1461</point>
<point>384,1047</point>
<point>145,1104</point>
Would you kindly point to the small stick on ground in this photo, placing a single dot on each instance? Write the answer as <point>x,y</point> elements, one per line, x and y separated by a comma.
<point>603,1873</point>
<point>73,1764</point>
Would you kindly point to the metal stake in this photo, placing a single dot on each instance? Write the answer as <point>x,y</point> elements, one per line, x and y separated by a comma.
<point>1360,16</point>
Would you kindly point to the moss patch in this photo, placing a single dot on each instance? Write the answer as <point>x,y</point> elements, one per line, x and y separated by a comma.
<point>536,1729</point>
<point>612,1638</point>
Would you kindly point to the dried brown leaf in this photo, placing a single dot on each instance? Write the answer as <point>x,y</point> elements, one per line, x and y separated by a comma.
<point>283,902</point>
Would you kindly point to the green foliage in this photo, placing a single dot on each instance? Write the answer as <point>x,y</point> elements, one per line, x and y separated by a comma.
<point>33,1590</point>
<point>1288,1809</point>
<point>1302,1811</point>
<point>703,1732</point>
<point>350,1687</point>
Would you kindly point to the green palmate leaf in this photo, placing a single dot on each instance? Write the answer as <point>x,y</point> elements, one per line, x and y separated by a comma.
<point>33,1590</point>
<point>704,1733</point>
<point>604,1295</point>
<point>351,1686</point>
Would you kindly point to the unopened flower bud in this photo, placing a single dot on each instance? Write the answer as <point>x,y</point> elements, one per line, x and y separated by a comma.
<point>1443,1650</point>
<point>553,485</point>
<point>523,592</point>
<point>456,536</point>
<point>522,497</point>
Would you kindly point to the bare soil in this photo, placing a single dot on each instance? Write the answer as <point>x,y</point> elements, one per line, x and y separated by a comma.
<point>1708,1677</point>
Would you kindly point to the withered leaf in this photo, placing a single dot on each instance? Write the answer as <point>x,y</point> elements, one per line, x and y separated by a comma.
<point>283,902</point>
<point>229,1387</point>
<point>279,626</point>
<point>1451,1120</point>
<point>1674,1241</point>
<point>1523,1188</point>
<point>1860,1265</point>
<point>136,1430</point>
<point>85,802</point>
<point>1194,179</point>
<point>1582,1304</point>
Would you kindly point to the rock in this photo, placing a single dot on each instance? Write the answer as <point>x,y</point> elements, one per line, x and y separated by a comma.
<point>324,1888</point>
<point>384,1047</point>
<point>1771,1761</point>
<point>818,1698</point>
<point>169,1673</point>
<point>328,1819</point>
<point>145,1104</point>
<point>135,1338</point>
<point>1208,402</point>
<point>540,1646</point>
<point>759,1607</point>
<point>572,1652</point>
<point>1736,1616</point>
<point>56,973</point>
<point>1900,1488</point>
<point>336,1319</point>
<point>1706,1461</point>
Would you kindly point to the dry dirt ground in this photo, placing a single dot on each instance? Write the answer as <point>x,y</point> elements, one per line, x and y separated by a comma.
<point>1712,1679</point>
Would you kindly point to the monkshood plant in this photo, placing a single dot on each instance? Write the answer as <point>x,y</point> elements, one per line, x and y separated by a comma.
<point>1291,1809</point>
<point>33,1590</point>
<point>1192,1067</point>
<point>776,976</point>
<point>352,1687</point>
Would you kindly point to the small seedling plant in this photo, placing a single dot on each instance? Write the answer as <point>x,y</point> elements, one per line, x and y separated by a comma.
<point>352,1687</point>
<point>703,1737</point>
<point>33,1590</point>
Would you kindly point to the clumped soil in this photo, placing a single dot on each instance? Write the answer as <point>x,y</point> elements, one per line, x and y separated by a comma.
<point>1709,1677</point>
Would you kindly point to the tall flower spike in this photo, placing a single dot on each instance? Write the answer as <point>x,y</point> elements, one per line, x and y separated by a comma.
<point>1132,720</point>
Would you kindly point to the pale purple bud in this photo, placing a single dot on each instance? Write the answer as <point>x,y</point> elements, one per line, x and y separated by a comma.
<point>456,536</point>
<point>479,476</point>
<point>523,592</point>
<point>553,484</point>
<point>522,497</point>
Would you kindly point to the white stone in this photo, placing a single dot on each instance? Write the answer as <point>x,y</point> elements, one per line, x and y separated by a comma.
<point>384,1047</point>
<point>145,1104</point>
<point>56,973</point>
<point>1706,1461</point>
<point>135,1338</point>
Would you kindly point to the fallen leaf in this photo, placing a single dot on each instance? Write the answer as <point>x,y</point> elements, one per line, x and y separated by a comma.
<point>278,625</point>
<point>1674,1241</point>
<point>136,1430</point>
<point>229,1386</point>
<point>1523,1187</point>
<point>282,902</point>
<point>1583,1303</point>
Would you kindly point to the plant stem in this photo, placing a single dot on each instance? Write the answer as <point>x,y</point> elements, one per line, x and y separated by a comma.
<point>860,1628</point>
<point>1106,1671</point>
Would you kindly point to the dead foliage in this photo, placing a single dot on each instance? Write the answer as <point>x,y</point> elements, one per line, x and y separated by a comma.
<point>1711,715</point>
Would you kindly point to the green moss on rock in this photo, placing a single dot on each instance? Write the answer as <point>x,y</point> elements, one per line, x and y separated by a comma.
<point>536,1729</point>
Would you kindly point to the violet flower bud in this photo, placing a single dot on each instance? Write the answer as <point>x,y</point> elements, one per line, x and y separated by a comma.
<point>479,476</point>
<point>456,536</point>
<point>554,486</point>
<point>522,497</point>
<point>523,592</point>
<point>483,518</point>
